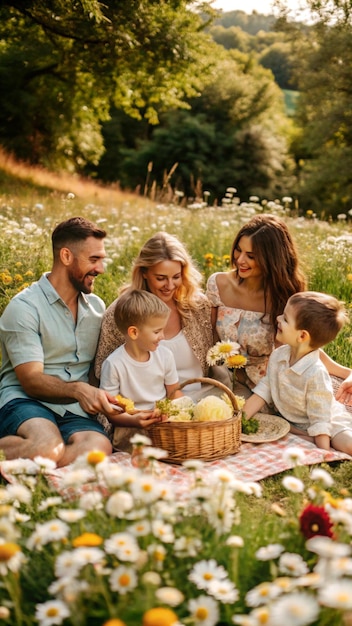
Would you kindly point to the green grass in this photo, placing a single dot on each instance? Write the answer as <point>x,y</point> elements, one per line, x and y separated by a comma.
<point>28,213</point>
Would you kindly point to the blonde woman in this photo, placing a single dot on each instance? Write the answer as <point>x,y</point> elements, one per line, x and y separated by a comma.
<point>165,268</point>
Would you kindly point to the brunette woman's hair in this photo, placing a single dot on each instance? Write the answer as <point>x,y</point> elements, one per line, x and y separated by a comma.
<point>275,252</point>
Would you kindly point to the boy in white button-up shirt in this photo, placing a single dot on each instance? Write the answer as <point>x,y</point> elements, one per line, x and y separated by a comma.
<point>297,382</point>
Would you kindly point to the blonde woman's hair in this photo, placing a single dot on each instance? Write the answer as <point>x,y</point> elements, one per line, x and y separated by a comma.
<point>321,315</point>
<point>135,307</point>
<point>165,247</point>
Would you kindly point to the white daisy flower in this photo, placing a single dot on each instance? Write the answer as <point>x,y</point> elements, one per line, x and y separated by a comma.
<point>91,501</point>
<point>49,502</point>
<point>292,564</point>
<point>77,477</point>
<point>51,612</point>
<point>262,593</point>
<point>123,579</point>
<point>337,595</point>
<point>163,531</point>
<point>341,567</point>
<point>158,553</point>
<point>66,565</point>
<point>294,454</point>
<point>327,548</point>
<point>205,571</point>
<point>141,440</point>
<point>294,609</point>
<point>269,552</point>
<point>204,611</point>
<point>187,546</point>
<point>87,555</point>
<point>223,590</point>
<point>11,557</point>
<point>291,483</point>
<point>320,475</point>
<point>44,464</point>
<point>68,589</point>
<point>119,503</point>
<point>150,452</point>
<point>244,620</point>
<point>140,528</point>
<point>146,488</point>
<point>194,465</point>
<point>19,466</point>
<point>71,515</point>
<point>54,530</point>
<point>18,494</point>
<point>121,544</point>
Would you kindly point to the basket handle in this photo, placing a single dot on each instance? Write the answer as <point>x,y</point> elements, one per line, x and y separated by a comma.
<point>215,383</point>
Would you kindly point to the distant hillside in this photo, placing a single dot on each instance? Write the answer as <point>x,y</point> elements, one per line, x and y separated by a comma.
<point>250,24</point>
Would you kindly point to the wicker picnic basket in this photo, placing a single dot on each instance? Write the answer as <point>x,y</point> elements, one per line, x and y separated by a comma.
<point>206,441</point>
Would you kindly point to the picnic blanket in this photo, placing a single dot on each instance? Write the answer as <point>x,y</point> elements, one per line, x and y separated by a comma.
<point>252,463</point>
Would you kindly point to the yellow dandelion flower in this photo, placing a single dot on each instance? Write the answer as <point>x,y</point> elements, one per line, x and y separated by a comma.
<point>23,286</point>
<point>236,360</point>
<point>87,540</point>
<point>208,256</point>
<point>18,264</point>
<point>159,616</point>
<point>29,274</point>
<point>349,277</point>
<point>95,457</point>
<point>114,622</point>
<point>8,550</point>
<point>6,278</point>
<point>18,278</point>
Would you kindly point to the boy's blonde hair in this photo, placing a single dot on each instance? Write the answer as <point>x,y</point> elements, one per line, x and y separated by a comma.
<point>320,314</point>
<point>135,306</point>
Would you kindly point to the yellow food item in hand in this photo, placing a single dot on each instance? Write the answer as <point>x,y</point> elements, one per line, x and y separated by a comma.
<point>125,403</point>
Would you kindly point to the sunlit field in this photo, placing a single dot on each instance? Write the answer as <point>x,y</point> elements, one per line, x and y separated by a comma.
<point>28,220</point>
<point>123,550</point>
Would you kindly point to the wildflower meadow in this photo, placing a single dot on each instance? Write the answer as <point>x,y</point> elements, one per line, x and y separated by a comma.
<point>106,545</point>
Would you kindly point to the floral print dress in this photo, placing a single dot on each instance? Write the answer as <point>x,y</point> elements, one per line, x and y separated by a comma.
<point>250,329</point>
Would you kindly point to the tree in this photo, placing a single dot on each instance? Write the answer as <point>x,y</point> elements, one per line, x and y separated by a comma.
<point>234,134</point>
<point>323,147</point>
<point>63,63</point>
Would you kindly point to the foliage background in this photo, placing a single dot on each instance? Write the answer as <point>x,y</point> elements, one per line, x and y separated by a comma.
<point>142,93</point>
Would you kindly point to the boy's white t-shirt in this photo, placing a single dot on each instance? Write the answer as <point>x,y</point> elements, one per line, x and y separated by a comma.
<point>144,383</point>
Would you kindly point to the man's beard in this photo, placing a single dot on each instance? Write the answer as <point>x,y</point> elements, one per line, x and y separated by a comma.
<point>80,285</point>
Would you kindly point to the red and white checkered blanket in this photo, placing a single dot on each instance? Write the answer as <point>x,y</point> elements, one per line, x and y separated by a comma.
<point>252,463</point>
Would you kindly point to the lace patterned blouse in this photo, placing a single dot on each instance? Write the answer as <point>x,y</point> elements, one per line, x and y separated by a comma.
<point>250,329</point>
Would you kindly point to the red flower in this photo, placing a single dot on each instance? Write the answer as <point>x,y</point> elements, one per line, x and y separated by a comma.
<point>314,520</point>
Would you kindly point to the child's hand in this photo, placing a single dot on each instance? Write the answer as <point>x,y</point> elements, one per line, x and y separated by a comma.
<point>145,419</point>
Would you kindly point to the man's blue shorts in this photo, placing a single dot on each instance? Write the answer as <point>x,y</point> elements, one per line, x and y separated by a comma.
<point>17,411</point>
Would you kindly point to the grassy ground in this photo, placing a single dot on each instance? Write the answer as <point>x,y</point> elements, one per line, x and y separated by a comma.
<point>32,201</point>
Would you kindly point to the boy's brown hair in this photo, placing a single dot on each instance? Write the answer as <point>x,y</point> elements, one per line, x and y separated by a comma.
<point>320,314</point>
<point>135,306</point>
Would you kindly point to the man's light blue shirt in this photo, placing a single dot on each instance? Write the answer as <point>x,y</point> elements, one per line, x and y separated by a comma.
<point>37,325</point>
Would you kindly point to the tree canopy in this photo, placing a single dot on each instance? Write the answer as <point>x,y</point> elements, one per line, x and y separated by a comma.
<point>63,63</point>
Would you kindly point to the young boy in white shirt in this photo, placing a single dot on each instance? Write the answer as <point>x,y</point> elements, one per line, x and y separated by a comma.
<point>297,382</point>
<point>140,369</point>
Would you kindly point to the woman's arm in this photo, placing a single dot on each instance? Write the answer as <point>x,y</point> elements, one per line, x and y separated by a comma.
<point>344,392</point>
